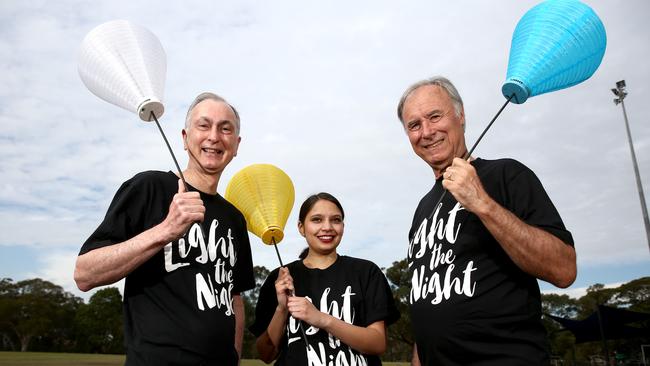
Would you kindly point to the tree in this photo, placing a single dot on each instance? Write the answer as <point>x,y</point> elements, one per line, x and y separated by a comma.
<point>37,312</point>
<point>250,301</point>
<point>561,342</point>
<point>634,295</point>
<point>98,324</point>
<point>400,336</point>
<point>8,306</point>
<point>559,305</point>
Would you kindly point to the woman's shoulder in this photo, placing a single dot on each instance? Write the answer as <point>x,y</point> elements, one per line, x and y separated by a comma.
<point>295,265</point>
<point>358,263</point>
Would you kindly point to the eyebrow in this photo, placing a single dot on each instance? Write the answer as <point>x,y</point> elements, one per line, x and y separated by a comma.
<point>432,111</point>
<point>209,120</point>
<point>435,110</point>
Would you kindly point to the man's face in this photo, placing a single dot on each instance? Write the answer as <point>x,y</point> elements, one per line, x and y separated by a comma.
<point>212,138</point>
<point>433,128</point>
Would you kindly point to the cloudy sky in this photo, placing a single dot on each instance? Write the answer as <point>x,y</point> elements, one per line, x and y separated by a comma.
<point>317,87</point>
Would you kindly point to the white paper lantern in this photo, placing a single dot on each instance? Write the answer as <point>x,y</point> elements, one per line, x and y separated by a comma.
<point>125,64</point>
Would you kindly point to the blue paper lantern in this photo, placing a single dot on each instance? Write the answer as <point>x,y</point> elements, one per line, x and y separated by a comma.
<point>556,44</point>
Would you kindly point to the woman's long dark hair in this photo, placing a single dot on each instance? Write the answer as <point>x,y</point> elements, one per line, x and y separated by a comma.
<point>307,206</point>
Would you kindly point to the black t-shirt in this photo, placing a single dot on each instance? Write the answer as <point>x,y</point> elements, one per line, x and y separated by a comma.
<point>181,298</point>
<point>351,289</point>
<point>470,303</point>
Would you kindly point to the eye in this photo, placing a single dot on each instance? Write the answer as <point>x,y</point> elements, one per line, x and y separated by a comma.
<point>227,128</point>
<point>337,220</point>
<point>413,126</point>
<point>434,117</point>
<point>316,219</point>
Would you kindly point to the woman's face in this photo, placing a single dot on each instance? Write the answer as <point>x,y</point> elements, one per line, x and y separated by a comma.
<point>323,227</point>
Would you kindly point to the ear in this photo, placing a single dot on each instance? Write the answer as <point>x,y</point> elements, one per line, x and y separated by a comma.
<point>462,119</point>
<point>301,228</point>
<point>184,134</point>
<point>237,147</point>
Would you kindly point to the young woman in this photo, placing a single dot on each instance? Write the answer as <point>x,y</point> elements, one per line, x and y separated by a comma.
<point>343,304</point>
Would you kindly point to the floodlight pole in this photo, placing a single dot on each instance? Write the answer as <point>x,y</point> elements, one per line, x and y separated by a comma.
<point>620,92</point>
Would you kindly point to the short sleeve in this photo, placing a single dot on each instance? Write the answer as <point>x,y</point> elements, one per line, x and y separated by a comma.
<point>266,304</point>
<point>121,219</point>
<point>528,199</point>
<point>244,278</point>
<point>378,298</point>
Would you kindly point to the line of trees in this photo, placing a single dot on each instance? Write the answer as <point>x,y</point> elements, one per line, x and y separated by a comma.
<point>37,315</point>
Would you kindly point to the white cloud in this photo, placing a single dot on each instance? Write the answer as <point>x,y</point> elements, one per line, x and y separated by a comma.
<point>577,292</point>
<point>57,266</point>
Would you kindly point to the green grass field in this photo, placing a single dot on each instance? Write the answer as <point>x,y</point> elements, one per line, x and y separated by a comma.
<point>79,359</point>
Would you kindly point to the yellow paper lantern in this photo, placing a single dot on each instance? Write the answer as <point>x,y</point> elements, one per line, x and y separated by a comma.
<point>265,195</point>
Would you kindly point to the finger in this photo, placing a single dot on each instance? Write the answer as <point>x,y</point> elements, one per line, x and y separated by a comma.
<point>293,308</point>
<point>283,272</point>
<point>181,186</point>
<point>191,198</point>
<point>192,212</point>
<point>198,217</point>
<point>447,175</point>
<point>446,184</point>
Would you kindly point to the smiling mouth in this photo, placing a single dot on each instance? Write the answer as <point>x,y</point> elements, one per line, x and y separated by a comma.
<point>212,151</point>
<point>326,238</point>
<point>434,144</point>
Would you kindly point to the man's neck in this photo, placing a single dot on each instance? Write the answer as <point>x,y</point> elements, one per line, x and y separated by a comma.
<point>439,170</point>
<point>206,183</point>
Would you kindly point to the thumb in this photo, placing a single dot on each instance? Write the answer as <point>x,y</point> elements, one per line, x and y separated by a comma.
<point>181,186</point>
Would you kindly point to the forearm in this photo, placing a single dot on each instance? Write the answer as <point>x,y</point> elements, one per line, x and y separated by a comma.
<point>107,265</point>
<point>240,320</point>
<point>268,344</point>
<point>415,360</point>
<point>534,250</point>
<point>369,340</point>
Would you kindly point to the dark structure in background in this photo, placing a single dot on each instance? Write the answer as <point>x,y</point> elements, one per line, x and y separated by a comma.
<point>607,323</point>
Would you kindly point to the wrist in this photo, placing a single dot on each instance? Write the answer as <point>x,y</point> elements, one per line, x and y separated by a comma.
<point>281,309</point>
<point>485,206</point>
<point>323,321</point>
<point>163,234</point>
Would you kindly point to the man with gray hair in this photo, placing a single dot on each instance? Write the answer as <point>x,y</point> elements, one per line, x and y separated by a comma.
<point>479,241</point>
<point>183,250</point>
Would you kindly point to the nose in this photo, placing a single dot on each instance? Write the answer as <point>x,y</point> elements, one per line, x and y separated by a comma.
<point>428,129</point>
<point>214,133</point>
<point>327,225</point>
